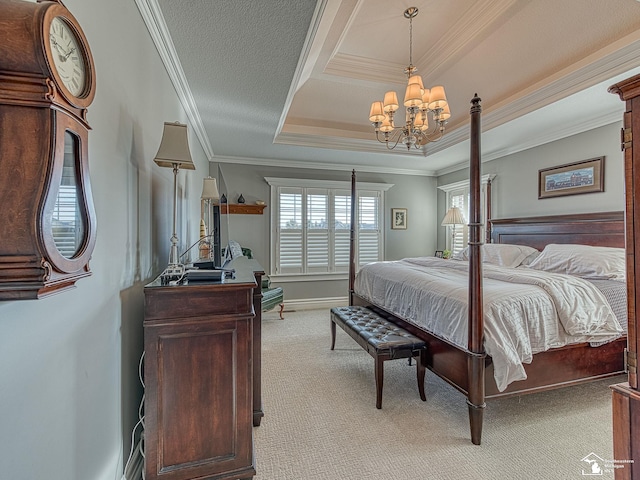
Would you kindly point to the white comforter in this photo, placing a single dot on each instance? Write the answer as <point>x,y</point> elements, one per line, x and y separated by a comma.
<point>526,311</point>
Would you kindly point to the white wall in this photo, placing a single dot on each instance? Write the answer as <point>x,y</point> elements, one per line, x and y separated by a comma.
<point>68,364</point>
<point>515,192</point>
<point>415,193</point>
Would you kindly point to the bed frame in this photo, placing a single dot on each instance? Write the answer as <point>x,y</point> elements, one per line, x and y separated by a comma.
<point>470,370</point>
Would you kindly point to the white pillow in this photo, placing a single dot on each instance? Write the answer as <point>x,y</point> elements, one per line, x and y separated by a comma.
<point>582,261</point>
<point>502,254</point>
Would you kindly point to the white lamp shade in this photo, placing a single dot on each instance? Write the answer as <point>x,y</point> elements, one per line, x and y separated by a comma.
<point>390,101</point>
<point>376,114</point>
<point>174,147</point>
<point>453,217</point>
<point>422,123</point>
<point>446,113</point>
<point>413,95</point>
<point>437,99</point>
<point>386,125</point>
<point>416,79</point>
<point>210,189</point>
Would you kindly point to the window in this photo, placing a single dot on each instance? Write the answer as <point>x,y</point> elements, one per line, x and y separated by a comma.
<point>311,222</point>
<point>458,195</point>
<point>458,235</point>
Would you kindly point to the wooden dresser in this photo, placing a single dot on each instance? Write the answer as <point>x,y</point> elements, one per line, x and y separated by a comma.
<point>202,377</point>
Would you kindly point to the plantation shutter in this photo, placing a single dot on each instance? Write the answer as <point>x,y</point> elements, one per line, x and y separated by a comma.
<point>66,221</point>
<point>289,247</point>
<point>368,229</point>
<point>342,231</point>
<point>317,234</point>
<point>312,227</point>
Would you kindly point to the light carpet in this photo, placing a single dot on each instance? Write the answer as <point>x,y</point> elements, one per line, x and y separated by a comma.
<point>321,421</point>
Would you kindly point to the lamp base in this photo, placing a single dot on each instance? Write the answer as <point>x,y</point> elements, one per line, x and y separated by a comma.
<point>172,274</point>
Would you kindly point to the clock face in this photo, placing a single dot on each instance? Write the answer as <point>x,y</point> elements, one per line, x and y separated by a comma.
<point>68,56</point>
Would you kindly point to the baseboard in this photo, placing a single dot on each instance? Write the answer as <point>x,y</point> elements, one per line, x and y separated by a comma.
<point>314,303</point>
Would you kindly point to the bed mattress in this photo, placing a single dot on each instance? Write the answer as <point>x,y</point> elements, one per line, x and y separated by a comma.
<point>526,311</point>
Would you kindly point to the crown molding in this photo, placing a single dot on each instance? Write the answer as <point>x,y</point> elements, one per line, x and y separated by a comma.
<point>309,165</point>
<point>302,61</point>
<point>471,24</point>
<point>157,27</point>
<point>466,30</point>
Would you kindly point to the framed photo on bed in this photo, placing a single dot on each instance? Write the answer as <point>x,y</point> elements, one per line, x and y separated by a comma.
<point>586,176</point>
<point>399,218</point>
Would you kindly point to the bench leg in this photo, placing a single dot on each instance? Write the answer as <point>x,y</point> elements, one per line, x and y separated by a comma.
<point>333,334</point>
<point>421,370</point>
<point>379,381</point>
<point>281,311</point>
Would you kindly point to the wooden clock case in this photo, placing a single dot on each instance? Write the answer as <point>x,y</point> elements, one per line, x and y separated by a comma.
<point>37,112</point>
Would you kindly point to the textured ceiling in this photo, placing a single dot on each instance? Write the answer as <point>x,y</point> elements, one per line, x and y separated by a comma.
<point>290,82</point>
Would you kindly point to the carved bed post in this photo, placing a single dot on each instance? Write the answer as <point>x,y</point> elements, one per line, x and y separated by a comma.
<point>476,359</point>
<point>352,237</point>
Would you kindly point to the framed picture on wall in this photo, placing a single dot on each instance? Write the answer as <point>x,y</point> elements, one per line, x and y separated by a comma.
<point>571,179</point>
<point>399,218</point>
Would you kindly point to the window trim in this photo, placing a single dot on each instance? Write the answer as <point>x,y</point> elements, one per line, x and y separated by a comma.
<point>466,184</point>
<point>275,182</point>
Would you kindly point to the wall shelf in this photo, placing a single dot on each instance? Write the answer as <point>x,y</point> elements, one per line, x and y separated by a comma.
<point>241,208</point>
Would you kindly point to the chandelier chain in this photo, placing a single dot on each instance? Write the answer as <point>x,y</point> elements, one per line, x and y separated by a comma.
<point>410,42</point>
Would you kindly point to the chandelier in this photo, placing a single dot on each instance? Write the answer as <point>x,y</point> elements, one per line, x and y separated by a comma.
<point>419,101</point>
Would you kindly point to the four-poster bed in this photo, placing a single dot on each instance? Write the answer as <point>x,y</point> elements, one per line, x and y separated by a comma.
<point>468,368</point>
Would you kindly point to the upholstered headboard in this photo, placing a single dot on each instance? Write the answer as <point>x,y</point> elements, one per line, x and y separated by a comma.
<point>603,229</point>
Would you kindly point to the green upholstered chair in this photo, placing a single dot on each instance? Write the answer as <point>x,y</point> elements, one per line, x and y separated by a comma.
<point>271,296</point>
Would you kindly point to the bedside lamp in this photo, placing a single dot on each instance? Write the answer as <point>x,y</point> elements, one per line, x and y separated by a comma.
<point>174,153</point>
<point>452,218</point>
<point>210,222</point>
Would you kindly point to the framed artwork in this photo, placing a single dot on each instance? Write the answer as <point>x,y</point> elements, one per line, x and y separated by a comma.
<point>571,179</point>
<point>439,254</point>
<point>399,218</point>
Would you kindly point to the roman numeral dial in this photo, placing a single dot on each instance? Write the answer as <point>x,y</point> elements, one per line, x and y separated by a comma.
<point>68,57</point>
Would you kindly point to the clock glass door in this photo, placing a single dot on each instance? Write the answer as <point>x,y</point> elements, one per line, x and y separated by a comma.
<point>69,226</point>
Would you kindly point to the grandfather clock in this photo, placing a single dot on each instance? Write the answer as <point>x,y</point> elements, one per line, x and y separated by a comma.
<point>47,81</point>
<point>626,397</point>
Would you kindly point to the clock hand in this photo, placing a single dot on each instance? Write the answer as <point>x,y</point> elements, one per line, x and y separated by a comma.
<point>56,44</point>
<point>69,53</point>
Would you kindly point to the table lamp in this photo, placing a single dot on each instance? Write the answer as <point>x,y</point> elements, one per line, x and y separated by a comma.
<point>452,218</point>
<point>174,153</point>
<point>210,222</point>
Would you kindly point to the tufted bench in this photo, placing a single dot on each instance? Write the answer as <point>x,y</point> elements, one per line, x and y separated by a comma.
<point>382,339</point>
